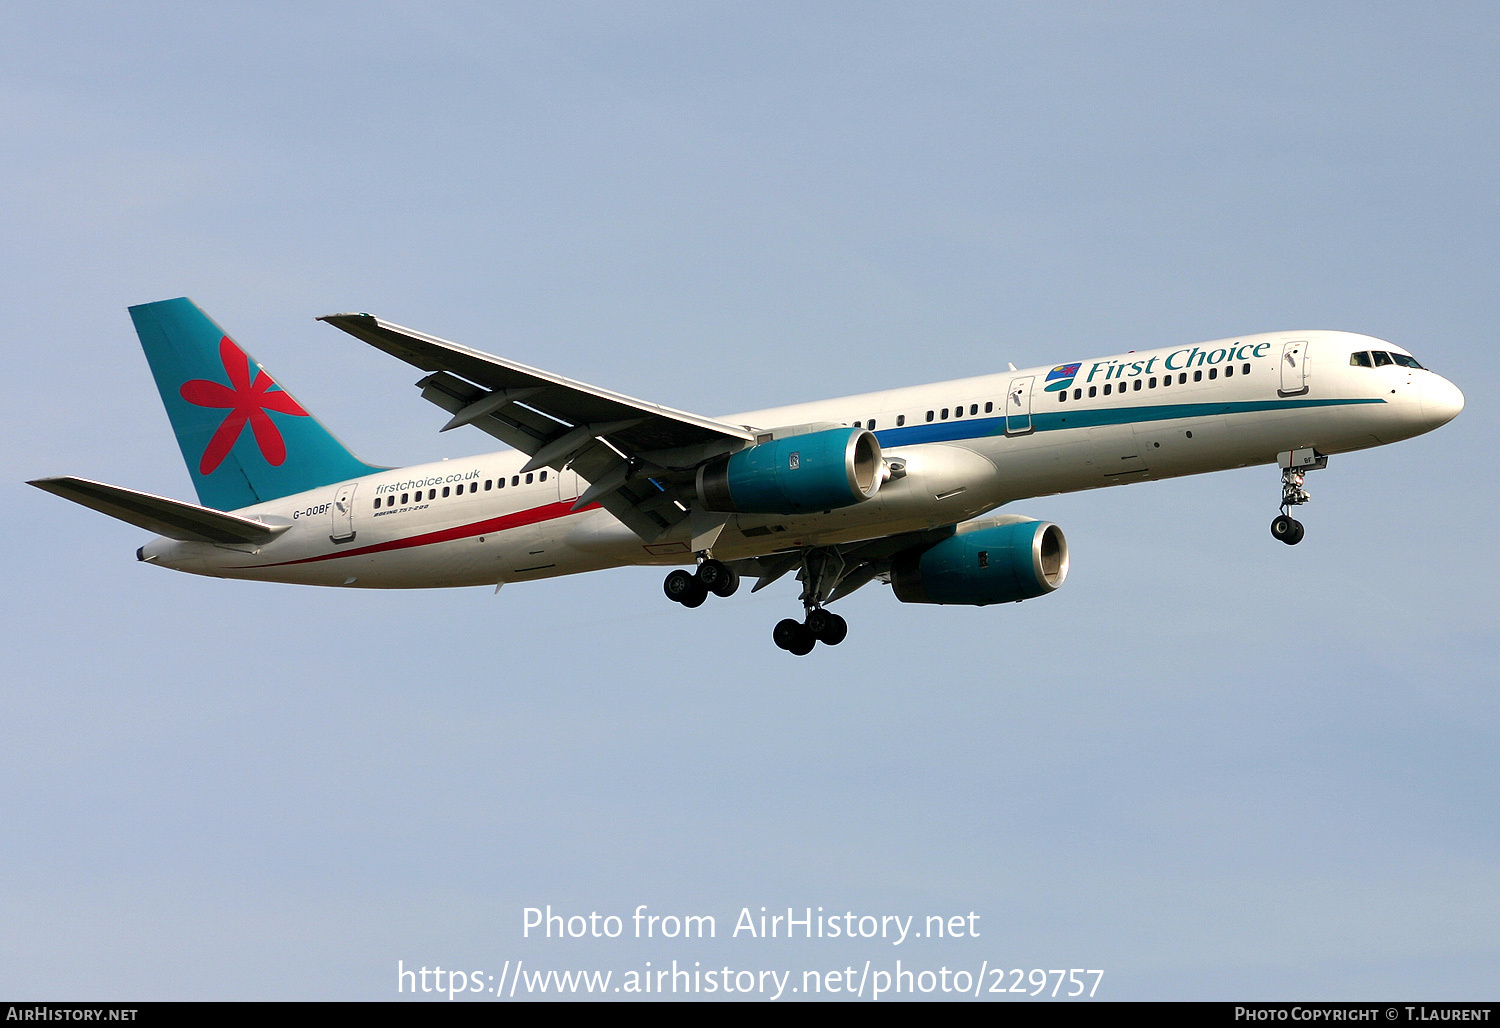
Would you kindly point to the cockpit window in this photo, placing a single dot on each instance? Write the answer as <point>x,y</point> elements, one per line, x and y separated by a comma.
<point>1406,361</point>
<point>1360,359</point>
<point>1381,358</point>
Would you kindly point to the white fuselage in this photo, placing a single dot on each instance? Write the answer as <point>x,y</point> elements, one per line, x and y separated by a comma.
<point>968,446</point>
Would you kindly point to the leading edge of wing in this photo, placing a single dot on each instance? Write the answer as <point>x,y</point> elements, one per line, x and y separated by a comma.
<point>430,353</point>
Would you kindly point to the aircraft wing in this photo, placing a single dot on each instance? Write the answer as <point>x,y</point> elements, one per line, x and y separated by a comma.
<point>171,518</point>
<point>639,458</point>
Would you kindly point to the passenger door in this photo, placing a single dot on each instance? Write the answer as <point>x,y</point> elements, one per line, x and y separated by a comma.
<point>1018,407</point>
<point>342,528</point>
<point>1294,368</point>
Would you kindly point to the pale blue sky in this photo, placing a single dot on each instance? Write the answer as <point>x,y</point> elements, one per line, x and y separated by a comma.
<point>1212,765</point>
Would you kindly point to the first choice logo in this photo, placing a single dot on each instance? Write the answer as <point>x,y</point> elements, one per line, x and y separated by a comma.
<point>1177,360</point>
<point>1061,377</point>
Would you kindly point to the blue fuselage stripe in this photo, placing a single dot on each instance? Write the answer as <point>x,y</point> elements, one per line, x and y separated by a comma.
<point>1087,417</point>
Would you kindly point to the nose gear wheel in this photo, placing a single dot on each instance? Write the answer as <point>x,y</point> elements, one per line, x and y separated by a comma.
<point>1287,529</point>
<point>1294,467</point>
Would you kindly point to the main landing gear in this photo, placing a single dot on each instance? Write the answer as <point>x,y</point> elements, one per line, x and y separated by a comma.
<point>820,626</point>
<point>821,572</point>
<point>1294,466</point>
<point>691,588</point>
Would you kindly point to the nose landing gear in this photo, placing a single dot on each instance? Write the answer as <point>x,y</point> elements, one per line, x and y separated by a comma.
<point>1294,466</point>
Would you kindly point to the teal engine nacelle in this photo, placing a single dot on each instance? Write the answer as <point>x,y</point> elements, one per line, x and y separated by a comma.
<point>797,474</point>
<point>998,564</point>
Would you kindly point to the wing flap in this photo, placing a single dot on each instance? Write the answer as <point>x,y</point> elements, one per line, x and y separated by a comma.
<point>526,430</point>
<point>171,518</point>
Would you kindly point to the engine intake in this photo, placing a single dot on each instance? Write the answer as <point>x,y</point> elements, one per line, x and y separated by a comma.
<point>998,564</point>
<point>795,475</point>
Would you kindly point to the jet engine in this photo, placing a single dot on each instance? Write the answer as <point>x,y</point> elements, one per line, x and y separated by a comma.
<point>996,563</point>
<point>796,474</point>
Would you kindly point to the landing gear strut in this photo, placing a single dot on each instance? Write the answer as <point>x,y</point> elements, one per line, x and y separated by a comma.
<point>821,571</point>
<point>1294,466</point>
<point>691,588</point>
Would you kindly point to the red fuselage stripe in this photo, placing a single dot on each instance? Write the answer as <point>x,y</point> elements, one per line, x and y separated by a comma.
<point>546,512</point>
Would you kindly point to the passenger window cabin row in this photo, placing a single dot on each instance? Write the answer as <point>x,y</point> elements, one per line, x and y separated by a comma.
<point>1151,383</point>
<point>1164,381</point>
<point>457,490</point>
<point>942,414</point>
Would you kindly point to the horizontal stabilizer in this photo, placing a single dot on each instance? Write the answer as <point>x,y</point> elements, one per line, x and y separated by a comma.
<point>171,518</point>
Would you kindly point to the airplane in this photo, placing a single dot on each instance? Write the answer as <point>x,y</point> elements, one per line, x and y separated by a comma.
<point>896,486</point>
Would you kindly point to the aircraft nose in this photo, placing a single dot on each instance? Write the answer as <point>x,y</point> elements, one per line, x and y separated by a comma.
<point>1441,400</point>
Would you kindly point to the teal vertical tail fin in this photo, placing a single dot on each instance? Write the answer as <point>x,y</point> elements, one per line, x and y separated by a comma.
<point>244,438</point>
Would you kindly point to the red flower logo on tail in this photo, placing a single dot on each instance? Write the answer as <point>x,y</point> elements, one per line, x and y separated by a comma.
<point>246,400</point>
